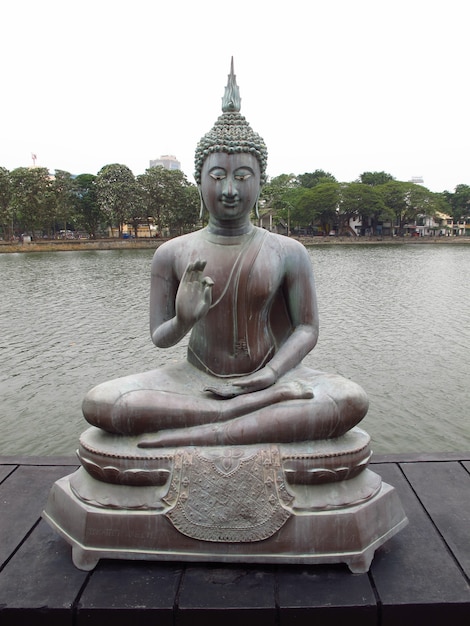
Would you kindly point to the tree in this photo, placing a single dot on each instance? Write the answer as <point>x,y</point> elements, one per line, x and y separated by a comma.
<point>182,201</point>
<point>312,179</point>
<point>459,201</point>
<point>154,193</point>
<point>274,190</point>
<point>63,187</point>
<point>169,198</point>
<point>275,197</point>
<point>408,201</point>
<point>185,210</point>
<point>6,211</point>
<point>360,201</point>
<point>318,203</point>
<point>375,178</point>
<point>87,208</point>
<point>117,193</point>
<point>31,197</point>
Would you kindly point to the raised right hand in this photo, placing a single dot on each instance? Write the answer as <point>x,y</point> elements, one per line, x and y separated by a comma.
<point>194,295</point>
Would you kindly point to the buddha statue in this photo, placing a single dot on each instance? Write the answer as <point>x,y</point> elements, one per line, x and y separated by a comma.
<point>248,298</point>
<point>239,453</point>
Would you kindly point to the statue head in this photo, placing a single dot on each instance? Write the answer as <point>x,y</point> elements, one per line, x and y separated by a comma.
<point>231,133</point>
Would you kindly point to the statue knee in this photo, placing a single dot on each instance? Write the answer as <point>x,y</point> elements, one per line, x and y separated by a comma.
<point>355,404</point>
<point>351,404</point>
<point>97,406</point>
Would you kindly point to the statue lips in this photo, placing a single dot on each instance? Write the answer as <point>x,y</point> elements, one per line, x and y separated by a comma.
<point>230,202</point>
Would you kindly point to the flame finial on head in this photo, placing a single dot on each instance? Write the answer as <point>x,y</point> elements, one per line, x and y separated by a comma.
<point>231,102</point>
<point>231,132</point>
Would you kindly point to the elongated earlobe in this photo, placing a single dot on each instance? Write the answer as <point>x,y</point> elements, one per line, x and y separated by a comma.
<point>202,206</point>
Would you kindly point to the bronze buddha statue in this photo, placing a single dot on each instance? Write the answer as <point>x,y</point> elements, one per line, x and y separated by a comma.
<point>248,298</point>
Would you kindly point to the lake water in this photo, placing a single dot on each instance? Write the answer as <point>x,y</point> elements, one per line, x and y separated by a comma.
<point>393,318</point>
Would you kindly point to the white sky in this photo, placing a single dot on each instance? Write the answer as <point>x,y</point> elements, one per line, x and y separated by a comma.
<point>346,86</point>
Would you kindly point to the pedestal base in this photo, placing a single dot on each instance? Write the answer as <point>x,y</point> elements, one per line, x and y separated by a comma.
<point>343,522</point>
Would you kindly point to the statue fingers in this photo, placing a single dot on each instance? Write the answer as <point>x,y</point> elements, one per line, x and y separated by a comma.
<point>207,283</point>
<point>197,269</point>
<point>193,270</point>
<point>199,264</point>
<point>259,380</point>
<point>224,390</point>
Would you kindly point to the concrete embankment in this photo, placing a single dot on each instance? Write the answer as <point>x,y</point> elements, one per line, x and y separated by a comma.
<point>139,244</point>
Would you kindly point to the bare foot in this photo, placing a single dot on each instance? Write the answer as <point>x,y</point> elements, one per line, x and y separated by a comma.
<point>292,390</point>
<point>206,434</point>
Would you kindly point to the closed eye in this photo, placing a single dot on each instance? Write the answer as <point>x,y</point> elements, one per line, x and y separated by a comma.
<point>218,173</point>
<point>243,173</point>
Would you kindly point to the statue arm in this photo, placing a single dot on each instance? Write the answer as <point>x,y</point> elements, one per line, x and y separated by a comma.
<point>301,300</point>
<point>299,292</point>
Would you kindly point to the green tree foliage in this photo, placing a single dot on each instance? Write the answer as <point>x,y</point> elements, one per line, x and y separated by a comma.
<point>169,198</point>
<point>31,199</point>
<point>317,177</point>
<point>155,196</point>
<point>360,201</point>
<point>407,201</point>
<point>375,178</point>
<point>317,204</point>
<point>275,197</point>
<point>6,211</point>
<point>63,190</point>
<point>273,192</point>
<point>117,193</point>
<point>184,212</point>
<point>87,209</point>
<point>459,201</point>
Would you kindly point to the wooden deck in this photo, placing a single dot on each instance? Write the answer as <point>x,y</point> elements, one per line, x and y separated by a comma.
<point>420,577</point>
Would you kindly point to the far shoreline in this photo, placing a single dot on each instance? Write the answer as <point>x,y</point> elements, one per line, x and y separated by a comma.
<point>152,244</point>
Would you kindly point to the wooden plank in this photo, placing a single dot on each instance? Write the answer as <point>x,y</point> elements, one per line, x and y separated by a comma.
<point>417,580</point>
<point>6,470</point>
<point>444,490</point>
<point>329,596</point>
<point>38,460</point>
<point>40,584</point>
<point>22,497</point>
<point>227,595</point>
<point>420,457</point>
<point>120,593</point>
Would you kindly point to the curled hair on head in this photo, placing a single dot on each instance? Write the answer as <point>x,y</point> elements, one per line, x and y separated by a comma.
<point>231,133</point>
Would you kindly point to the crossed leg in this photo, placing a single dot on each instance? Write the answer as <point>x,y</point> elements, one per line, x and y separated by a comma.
<point>304,405</point>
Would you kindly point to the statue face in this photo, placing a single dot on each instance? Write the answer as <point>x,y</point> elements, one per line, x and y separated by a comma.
<point>230,185</point>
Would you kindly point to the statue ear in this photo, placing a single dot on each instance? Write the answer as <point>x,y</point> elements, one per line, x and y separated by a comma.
<point>203,206</point>
<point>256,206</point>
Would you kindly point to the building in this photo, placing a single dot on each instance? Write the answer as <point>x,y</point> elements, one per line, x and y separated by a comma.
<point>168,161</point>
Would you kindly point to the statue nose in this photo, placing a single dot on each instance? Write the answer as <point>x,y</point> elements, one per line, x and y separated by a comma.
<point>229,188</point>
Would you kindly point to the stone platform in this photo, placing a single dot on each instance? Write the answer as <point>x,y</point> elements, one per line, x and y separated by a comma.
<point>304,503</point>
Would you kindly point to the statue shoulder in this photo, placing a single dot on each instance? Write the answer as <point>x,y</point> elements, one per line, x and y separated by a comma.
<point>289,246</point>
<point>174,250</point>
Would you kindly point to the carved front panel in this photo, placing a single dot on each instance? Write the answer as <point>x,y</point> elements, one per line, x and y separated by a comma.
<point>229,494</point>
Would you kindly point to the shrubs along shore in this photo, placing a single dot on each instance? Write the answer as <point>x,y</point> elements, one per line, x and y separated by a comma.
<point>136,244</point>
